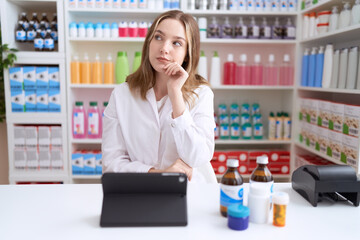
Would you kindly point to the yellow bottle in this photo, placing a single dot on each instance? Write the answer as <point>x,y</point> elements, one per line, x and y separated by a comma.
<point>75,70</point>
<point>109,70</point>
<point>85,70</point>
<point>96,71</point>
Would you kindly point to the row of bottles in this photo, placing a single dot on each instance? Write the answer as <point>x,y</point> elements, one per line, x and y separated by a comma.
<point>125,4</point>
<point>252,29</point>
<point>104,30</point>
<point>87,124</point>
<point>85,72</point>
<point>243,73</point>
<point>328,21</point>
<point>244,5</point>
<point>329,68</point>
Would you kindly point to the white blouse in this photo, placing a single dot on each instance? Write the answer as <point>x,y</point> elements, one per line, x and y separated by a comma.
<point>138,136</point>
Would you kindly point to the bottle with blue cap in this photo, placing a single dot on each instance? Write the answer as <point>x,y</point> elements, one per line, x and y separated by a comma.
<point>81,30</point>
<point>99,30</point>
<point>106,30</point>
<point>238,217</point>
<point>231,187</point>
<point>90,33</point>
<point>73,30</point>
<point>114,30</point>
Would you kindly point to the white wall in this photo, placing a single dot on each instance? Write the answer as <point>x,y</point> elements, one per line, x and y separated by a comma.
<point>4,162</point>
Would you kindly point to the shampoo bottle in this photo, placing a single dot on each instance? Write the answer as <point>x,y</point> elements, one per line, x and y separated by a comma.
<point>109,70</point>
<point>335,69</point>
<point>343,68</point>
<point>286,75</point>
<point>122,67</point>
<point>136,62</point>
<point>345,16</point>
<point>215,78</point>
<point>312,68</point>
<point>85,70</point>
<point>75,70</point>
<point>355,13</point>
<point>305,68</point>
<point>265,30</point>
<point>328,65</point>
<point>271,71</point>
<point>257,71</point>
<point>352,68</point>
<point>202,67</point>
<point>227,30</point>
<point>253,29</point>
<point>229,70</point>
<point>241,30</point>
<point>243,72</point>
<point>334,19</point>
<point>96,70</point>
<point>319,67</point>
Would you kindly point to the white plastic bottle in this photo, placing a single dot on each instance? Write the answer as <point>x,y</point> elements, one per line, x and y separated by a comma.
<point>328,65</point>
<point>305,30</point>
<point>352,68</point>
<point>202,67</point>
<point>335,69</point>
<point>116,3</point>
<point>90,4</point>
<point>312,25</point>
<point>355,13</point>
<point>358,75</point>
<point>343,68</point>
<point>334,19</point>
<point>215,77</point>
<point>259,203</point>
<point>344,19</point>
<point>99,3</point>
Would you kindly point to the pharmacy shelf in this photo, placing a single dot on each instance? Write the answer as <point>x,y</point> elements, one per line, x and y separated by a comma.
<point>320,6</point>
<point>300,145</point>
<point>330,90</point>
<point>84,176</point>
<point>248,41</point>
<point>250,87</point>
<point>39,57</point>
<point>38,176</point>
<point>119,39</point>
<point>252,142</point>
<point>86,141</point>
<point>109,12</point>
<point>36,118</point>
<point>96,86</point>
<point>337,36</point>
<point>238,13</point>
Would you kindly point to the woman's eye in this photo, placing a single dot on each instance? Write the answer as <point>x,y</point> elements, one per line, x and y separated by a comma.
<point>157,37</point>
<point>178,44</point>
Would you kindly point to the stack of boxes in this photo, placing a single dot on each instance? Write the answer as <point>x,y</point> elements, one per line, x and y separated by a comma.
<point>38,148</point>
<point>331,128</point>
<point>35,89</point>
<point>279,160</point>
<point>301,160</point>
<point>86,162</point>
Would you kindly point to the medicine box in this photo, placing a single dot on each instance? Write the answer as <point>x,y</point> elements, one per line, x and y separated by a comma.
<point>324,113</point>
<point>242,156</point>
<point>335,145</point>
<point>313,110</point>
<point>54,100</point>
<point>350,150</point>
<point>56,136</point>
<point>219,167</point>
<point>16,79</point>
<point>19,136</point>
<point>17,101</point>
<point>30,101</point>
<point>279,156</point>
<point>19,158</point>
<point>31,136</point>
<point>337,116</point>
<point>244,167</point>
<point>29,75</point>
<point>89,163</point>
<point>44,135</point>
<point>77,163</point>
<point>42,79</point>
<point>98,162</point>
<point>351,124</point>
<point>56,158</point>
<point>32,158</point>
<point>53,74</point>
<point>322,139</point>
<point>220,156</point>
<point>42,101</point>
<point>44,158</point>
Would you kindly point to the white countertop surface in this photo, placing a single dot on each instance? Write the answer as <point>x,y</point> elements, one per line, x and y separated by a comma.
<point>73,212</point>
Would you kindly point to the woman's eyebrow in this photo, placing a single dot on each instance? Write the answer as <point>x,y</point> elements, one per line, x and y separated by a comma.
<point>177,37</point>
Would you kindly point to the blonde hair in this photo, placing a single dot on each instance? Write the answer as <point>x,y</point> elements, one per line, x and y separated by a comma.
<point>144,78</point>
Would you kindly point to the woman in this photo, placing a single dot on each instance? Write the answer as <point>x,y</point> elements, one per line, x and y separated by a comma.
<point>162,118</point>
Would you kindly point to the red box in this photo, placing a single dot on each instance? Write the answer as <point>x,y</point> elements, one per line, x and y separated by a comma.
<point>279,156</point>
<point>279,168</point>
<point>219,167</point>
<point>254,154</point>
<point>242,156</point>
<point>220,156</point>
<point>244,168</point>
<point>252,166</point>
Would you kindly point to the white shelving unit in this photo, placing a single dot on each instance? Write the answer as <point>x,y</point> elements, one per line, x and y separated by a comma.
<point>10,12</point>
<point>340,38</point>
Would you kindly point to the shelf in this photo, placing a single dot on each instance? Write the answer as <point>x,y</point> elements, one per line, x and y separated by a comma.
<point>38,176</point>
<point>84,176</point>
<point>119,39</point>
<point>248,41</point>
<point>39,57</point>
<point>252,142</point>
<point>86,141</point>
<point>330,90</point>
<point>109,12</point>
<point>320,6</point>
<point>238,13</point>
<point>337,36</point>
<point>36,118</point>
<point>97,86</point>
<point>249,87</point>
<point>318,153</point>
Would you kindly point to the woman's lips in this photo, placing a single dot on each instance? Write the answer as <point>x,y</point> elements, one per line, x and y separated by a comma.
<point>161,59</point>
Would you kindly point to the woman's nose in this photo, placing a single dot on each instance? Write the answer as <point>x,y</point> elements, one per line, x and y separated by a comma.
<point>165,48</point>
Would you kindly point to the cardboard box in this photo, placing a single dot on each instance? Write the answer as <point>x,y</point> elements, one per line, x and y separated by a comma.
<point>335,145</point>
<point>54,81</point>
<point>350,150</point>
<point>89,163</point>
<point>32,158</point>
<point>324,113</point>
<point>16,79</point>
<point>19,136</point>
<point>56,157</point>
<point>242,156</point>
<point>98,162</point>
<point>279,168</point>
<point>351,124</point>
<point>322,140</point>
<point>54,100</point>
<point>279,156</point>
<point>77,163</point>
<point>30,101</point>
<point>31,136</point>
<point>254,154</point>
<point>17,101</point>
<point>56,136</point>
<point>19,158</point>
<point>313,110</point>
<point>220,156</point>
<point>219,167</point>
<point>42,101</point>
<point>44,158</point>
<point>29,75</point>
<point>337,117</point>
<point>244,168</point>
<point>42,79</point>
<point>44,135</point>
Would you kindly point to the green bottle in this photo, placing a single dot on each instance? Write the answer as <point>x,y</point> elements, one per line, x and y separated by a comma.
<point>122,67</point>
<point>137,61</point>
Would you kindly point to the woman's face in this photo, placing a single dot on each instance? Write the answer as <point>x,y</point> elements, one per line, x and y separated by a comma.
<point>168,44</point>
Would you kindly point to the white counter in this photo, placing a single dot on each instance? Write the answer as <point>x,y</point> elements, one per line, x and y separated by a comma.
<point>73,212</point>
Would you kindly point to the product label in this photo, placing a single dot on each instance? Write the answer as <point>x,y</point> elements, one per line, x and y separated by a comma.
<point>39,43</point>
<point>30,35</point>
<point>79,123</point>
<point>93,128</point>
<point>224,131</point>
<point>49,43</point>
<point>54,35</point>
<point>246,131</point>
<point>20,35</point>
<point>268,185</point>
<point>258,131</point>
<point>235,131</point>
<point>231,194</point>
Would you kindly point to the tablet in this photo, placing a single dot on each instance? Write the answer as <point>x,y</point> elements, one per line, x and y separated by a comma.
<point>144,199</point>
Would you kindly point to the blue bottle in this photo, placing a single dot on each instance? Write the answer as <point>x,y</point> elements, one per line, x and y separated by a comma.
<point>305,68</point>
<point>312,68</point>
<point>319,67</point>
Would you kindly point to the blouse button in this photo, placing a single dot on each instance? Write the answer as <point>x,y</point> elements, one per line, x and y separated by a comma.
<point>173,125</point>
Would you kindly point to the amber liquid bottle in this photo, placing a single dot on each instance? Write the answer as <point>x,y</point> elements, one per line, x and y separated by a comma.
<point>231,187</point>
